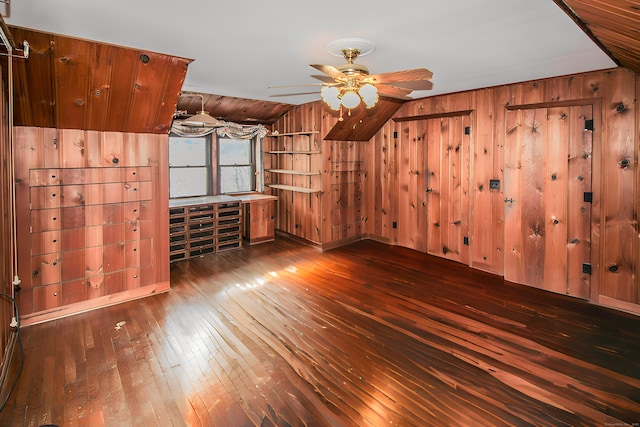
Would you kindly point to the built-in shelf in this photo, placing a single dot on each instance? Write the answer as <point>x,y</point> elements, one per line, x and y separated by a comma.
<point>293,172</point>
<point>294,162</point>
<point>293,188</point>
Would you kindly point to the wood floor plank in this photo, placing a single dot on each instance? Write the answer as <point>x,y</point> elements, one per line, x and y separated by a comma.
<point>281,334</point>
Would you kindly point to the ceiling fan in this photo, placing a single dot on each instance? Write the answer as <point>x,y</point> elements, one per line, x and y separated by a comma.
<point>350,84</point>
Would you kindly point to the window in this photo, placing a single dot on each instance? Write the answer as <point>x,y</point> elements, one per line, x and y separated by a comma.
<point>189,167</point>
<point>235,165</point>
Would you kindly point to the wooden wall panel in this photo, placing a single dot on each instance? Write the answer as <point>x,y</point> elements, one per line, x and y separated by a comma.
<point>98,226</point>
<point>636,199</point>
<point>556,188</point>
<point>447,173</point>
<point>580,162</point>
<point>620,234</point>
<point>513,211</point>
<point>411,219</point>
<point>34,103</point>
<point>385,188</point>
<point>124,68</point>
<point>532,196</point>
<point>71,71</point>
<point>487,207</point>
<point>344,190</point>
<point>436,200</point>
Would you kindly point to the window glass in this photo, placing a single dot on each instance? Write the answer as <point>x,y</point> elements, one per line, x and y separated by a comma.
<point>235,165</point>
<point>188,182</point>
<point>234,151</point>
<point>189,167</point>
<point>187,151</point>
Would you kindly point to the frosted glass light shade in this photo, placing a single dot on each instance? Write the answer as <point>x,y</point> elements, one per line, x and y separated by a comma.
<point>329,95</point>
<point>350,99</point>
<point>369,95</point>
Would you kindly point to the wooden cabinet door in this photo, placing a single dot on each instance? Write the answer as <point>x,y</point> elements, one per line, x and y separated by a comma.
<point>260,221</point>
<point>447,178</point>
<point>547,198</point>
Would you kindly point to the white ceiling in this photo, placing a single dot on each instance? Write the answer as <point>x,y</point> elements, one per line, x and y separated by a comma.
<point>241,48</point>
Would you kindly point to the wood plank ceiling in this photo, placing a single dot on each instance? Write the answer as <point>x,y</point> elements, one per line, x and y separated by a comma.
<point>228,108</point>
<point>69,83</point>
<point>614,24</point>
<point>77,84</point>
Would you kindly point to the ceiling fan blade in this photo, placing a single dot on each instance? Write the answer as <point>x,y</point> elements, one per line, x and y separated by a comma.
<point>325,79</point>
<point>300,85</point>
<point>330,70</point>
<point>402,76</point>
<point>282,95</point>
<point>414,85</point>
<point>393,91</point>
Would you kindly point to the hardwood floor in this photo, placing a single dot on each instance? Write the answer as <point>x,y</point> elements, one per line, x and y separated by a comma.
<point>280,334</point>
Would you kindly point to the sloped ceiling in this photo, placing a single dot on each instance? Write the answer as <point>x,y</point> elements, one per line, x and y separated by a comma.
<point>468,44</point>
<point>69,83</point>
<point>614,24</point>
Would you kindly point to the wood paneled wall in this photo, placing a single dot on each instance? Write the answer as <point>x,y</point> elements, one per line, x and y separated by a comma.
<point>394,176</point>
<point>92,219</point>
<point>614,233</point>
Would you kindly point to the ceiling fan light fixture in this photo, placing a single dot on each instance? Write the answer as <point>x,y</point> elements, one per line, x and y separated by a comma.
<point>330,95</point>
<point>369,95</point>
<point>350,99</point>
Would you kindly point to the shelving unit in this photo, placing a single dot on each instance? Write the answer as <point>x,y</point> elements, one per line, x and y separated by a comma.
<point>291,164</point>
<point>202,226</point>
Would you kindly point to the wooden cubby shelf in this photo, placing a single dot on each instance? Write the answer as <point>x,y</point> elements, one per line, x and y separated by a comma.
<point>294,172</point>
<point>294,188</point>
<point>204,225</point>
<point>293,162</point>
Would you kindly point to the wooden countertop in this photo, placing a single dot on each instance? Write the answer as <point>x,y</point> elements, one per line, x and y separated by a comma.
<point>244,198</point>
<point>188,201</point>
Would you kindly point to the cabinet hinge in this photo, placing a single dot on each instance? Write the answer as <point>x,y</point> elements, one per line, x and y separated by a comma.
<point>586,269</point>
<point>465,240</point>
<point>395,134</point>
<point>467,130</point>
<point>588,197</point>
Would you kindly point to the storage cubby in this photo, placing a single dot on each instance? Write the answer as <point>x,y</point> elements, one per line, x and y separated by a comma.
<point>204,225</point>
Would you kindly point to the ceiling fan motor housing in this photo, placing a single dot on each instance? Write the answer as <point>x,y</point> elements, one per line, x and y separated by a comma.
<point>350,68</point>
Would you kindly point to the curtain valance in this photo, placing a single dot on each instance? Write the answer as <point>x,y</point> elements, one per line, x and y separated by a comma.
<point>229,130</point>
<point>224,130</point>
